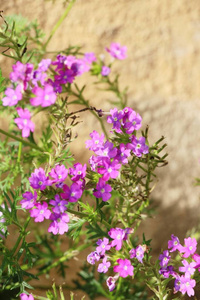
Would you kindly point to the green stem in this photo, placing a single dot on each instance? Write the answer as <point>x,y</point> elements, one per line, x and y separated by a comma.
<point>21,140</point>
<point>57,25</point>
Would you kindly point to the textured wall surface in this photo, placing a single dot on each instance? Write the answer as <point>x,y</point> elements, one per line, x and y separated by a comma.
<point>162,71</point>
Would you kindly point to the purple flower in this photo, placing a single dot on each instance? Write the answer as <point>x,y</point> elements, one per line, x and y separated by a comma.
<point>117,234</point>
<point>138,252</point>
<point>124,268</point>
<point>29,200</point>
<point>103,190</point>
<point>96,142</point>
<point>41,212</point>
<point>174,243</point>
<point>59,173</point>
<point>59,205</point>
<point>109,169</point>
<point>185,285</point>
<point>115,118</point>
<point>78,172</point>
<point>166,271</point>
<point>105,71</point>
<point>117,51</point>
<point>188,269</point>
<point>23,122</point>
<point>189,248</point>
<point>103,267</point>
<point>138,146</point>
<point>22,73</point>
<point>43,96</point>
<point>44,64</point>
<point>12,96</point>
<point>103,246</point>
<point>93,257</point>
<point>90,57</point>
<point>24,296</point>
<point>73,193</point>
<point>107,150</point>
<point>38,179</point>
<point>123,154</point>
<point>133,123</point>
<point>59,224</point>
<point>111,282</point>
<point>164,258</point>
<point>196,258</point>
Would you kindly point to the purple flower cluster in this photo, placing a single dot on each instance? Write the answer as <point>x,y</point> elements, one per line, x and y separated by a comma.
<point>124,267</point>
<point>109,158</point>
<point>54,209</point>
<point>184,282</point>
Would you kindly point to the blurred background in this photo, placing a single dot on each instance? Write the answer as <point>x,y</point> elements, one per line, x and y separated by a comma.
<point>162,71</point>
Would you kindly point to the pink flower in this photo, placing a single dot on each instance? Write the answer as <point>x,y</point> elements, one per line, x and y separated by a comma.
<point>43,96</point>
<point>124,268</point>
<point>12,96</point>
<point>189,248</point>
<point>118,235</point>
<point>117,51</point>
<point>23,122</point>
<point>24,296</point>
<point>41,212</point>
<point>59,224</point>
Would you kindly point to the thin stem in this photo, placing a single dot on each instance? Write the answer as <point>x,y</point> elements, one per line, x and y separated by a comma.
<point>21,140</point>
<point>57,25</point>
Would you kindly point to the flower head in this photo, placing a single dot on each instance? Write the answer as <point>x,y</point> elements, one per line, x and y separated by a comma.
<point>23,122</point>
<point>124,268</point>
<point>117,51</point>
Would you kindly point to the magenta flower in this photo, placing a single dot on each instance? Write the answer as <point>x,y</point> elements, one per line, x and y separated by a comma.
<point>196,258</point>
<point>103,246</point>
<point>23,122</point>
<point>41,212</point>
<point>59,173</point>
<point>43,96</point>
<point>12,96</point>
<point>73,193</point>
<point>110,169</point>
<point>59,224</point>
<point>103,190</point>
<point>117,234</point>
<point>174,243</point>
<point>29,200</point>
<point>117,51</point>
<point>104,266</point>
<point>24,296</point>
<point>190,247</point>
<point>38,179</point>
<point>124,268</point>
<point>105,71</point>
